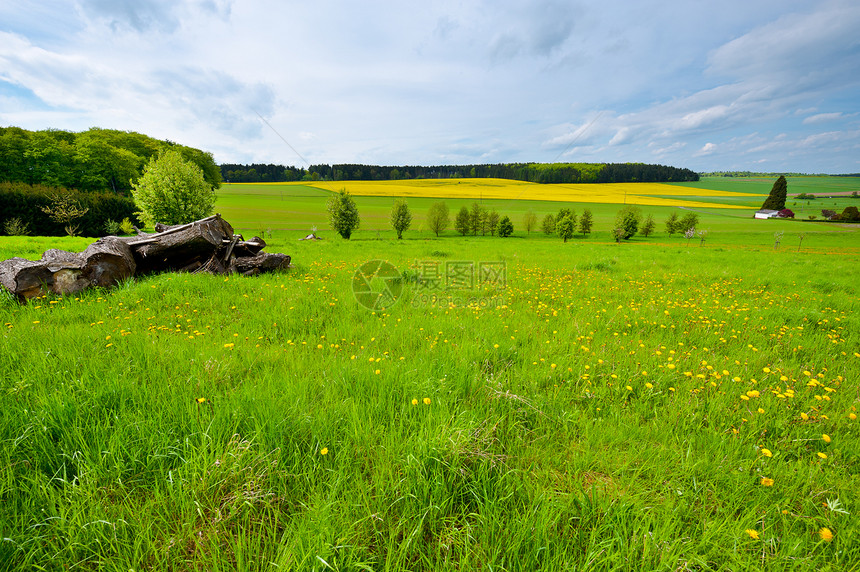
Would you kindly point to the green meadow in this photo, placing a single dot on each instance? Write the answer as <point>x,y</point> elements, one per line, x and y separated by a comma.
<point>515,404</point>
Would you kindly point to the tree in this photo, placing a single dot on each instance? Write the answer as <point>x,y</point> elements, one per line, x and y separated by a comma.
<point>647,227</point>
<point>627,220</point>
<point>463,222</point>
<point>672,225</point>
<point>565,227</point>
<point>172,191</point>
<point>478,219</point>
<point>401,218</point>
<point>690,220</point>
<point>548,224</point>
<point>585,222</point>
<point>778,193</point>
<point>437,217</point>
<point>506,227</point>
<point>529,221</point>
<point>343,214</point>
<point>492,221</point>
<point>64,209</point>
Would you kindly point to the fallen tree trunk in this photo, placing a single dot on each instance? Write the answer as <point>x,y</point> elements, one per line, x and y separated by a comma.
<point>207,245</point>
<point>103,264</point>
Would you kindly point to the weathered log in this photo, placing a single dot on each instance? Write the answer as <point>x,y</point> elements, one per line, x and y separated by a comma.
<point>263,262</point>
<point>180,246</point>
<point>104,263</point>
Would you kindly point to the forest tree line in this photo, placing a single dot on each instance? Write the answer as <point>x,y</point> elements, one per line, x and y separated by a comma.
<point>96,160</point>
<point>529,172</point>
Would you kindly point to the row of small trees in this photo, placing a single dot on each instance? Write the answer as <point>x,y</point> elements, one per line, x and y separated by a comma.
<point>344,219</point>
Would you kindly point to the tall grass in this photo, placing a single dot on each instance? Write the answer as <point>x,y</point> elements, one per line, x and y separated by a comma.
<point>612,410</point>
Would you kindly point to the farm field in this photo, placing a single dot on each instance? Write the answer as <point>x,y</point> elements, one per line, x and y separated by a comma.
<point>602,407</point>
<point>524,404</point>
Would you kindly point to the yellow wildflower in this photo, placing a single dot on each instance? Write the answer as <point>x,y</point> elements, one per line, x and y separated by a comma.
<point>766,452</point>
<point>825,438</point>
<point>324,451</point>
<point>752,533</point>
<point>766,482</point>
<point>427,401</point>
<point>826,534</point>
<point>822,455</point>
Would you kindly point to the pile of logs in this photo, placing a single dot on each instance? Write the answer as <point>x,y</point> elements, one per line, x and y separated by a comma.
<point>206,245</point>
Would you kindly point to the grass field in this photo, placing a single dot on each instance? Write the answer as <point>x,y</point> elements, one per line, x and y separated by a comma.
<point>652,405</point>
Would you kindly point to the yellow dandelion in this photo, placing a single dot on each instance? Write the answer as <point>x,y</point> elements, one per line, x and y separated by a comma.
<point>201,400</point>
<point>825,438</point>
<point>324,451</point>
<point>766,482</point>
<point>426,401</point>
<point>649,386</point>
<point>804,416</point>
<point>766,452</point>
<point>414,401</point>
<point>826,534</point>
<point>852,416</point>
<point>752,533</point>
<point>628,388</point>
<point>377,372</point>
<point>760,410</point>
<point>822,455</point>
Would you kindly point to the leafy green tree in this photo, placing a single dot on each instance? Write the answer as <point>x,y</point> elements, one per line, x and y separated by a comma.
<point>627,220</point>
<point>689,220</point>
<point>437,217</point>
<point>401,217</point>
<point>586,221</point>
<point>343,214</point>
<point>463,221</point>
<point>478,219</point>
<point>647,227</point>
<point>172,191</point>
<point>778,193</point>
<point>672,224</point>
<point>529,221</point>
<point>492,221</point>
<point>548,224</point>
<point>506,227</point>
<point>565,227</point>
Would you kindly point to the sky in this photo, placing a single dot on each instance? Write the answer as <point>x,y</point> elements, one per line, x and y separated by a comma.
<point>759,85</point>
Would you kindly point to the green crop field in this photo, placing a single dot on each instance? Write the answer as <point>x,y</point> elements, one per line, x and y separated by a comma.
<point>516,404</point>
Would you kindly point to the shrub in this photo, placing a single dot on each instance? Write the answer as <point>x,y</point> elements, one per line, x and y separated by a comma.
<point>111,227</point>
<point>506,227</point>
<point>126,226</point>
<point>25,202</point>
<point>786,213</point>
<point>16,227</point>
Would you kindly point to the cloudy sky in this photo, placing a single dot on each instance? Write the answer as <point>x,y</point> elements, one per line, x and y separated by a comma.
<point>766,85</point>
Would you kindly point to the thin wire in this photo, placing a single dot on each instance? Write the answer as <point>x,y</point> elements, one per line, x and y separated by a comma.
<point>275,131</point>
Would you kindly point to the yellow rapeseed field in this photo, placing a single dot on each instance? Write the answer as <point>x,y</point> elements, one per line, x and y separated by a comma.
<point>613,193</point>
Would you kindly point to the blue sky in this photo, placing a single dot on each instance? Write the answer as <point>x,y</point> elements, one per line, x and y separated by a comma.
<point>760,85</point>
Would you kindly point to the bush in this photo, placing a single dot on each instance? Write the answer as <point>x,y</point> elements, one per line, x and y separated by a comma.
<point>111,227</point>
<point>785,213</point>
<point>16,227</point>
<point>506,227</point>
<point>25,202</point>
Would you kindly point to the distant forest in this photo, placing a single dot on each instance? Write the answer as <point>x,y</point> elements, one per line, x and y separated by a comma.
<point>92,160</point>
<point>531,172</point>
